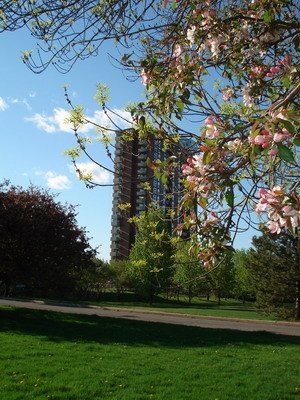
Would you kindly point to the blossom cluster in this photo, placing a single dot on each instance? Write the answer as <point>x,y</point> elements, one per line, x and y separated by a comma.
<point>282,213</point>
<point>267,139</point>
<point>197,175</point>
<point>231,66</point>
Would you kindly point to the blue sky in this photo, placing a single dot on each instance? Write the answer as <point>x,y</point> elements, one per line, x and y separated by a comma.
<point>34,135</point>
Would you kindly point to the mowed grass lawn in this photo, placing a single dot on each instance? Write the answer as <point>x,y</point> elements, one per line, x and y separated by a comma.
<point>228,308</point>
<point>47,355</point>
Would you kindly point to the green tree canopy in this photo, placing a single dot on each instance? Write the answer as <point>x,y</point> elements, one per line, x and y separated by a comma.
<point>275,272</point>
<point>41,245</point>
<point>242,282</point>
<point>189,275</point>
<point>150,258</point>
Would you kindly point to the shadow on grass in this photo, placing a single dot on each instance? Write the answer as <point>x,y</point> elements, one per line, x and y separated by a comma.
<point>81,328</point>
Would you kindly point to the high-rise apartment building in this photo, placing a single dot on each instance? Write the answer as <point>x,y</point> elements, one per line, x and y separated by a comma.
<point>131,174</point>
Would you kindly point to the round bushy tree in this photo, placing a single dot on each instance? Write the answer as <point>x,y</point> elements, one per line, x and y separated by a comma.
<point>41,246</point>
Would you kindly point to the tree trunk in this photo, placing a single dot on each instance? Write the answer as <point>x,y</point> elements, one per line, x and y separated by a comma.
<point>190,296</point>
<point>297,300</point>
<point>297,291</point>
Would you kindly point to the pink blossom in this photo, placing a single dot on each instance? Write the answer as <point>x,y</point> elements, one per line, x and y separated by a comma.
<point>177,51</point>
<point>212,132</point>
<point>256,71</point>
<point>213,218</point>
<point>262,192</point>
<point>274,227</point>
<point>186,169</point>
<point>278,137</point>
<point>273,152</point>
<point>259,139</point>
<point>247,98</point>
<point>261,206</point>
<point>227,93</point>
<point>286,61</point>
<point>292,215</point>
<point>288,210</point>
<point>273,71</point>
<point>145,77</point>
<point>209,121</point>
<point>280,214</point>
<point>234,145</point>
<point>208,13</point>
<point>190,34</point>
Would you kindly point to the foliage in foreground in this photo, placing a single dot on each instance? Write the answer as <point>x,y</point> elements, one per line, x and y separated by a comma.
<point>69,357</point>
<point>42,249</point>
<point>224,73</point>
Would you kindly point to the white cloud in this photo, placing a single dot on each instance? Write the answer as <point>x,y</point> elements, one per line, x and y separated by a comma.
<point>55,181</point>
<point>99,175</point>
<point>57,121</point>
<point>121,118</point>
<point>54,123</point>
<point>59,182</point>
<point>3,104</point>
<point>32,94</point>
<point>42,123</point>
<point>23,101</point>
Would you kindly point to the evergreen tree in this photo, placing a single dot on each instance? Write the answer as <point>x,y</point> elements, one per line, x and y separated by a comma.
<point>274,269</point>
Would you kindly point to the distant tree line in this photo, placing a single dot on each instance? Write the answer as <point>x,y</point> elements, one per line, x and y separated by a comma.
<point>267,273</point>
<point>44,253</point>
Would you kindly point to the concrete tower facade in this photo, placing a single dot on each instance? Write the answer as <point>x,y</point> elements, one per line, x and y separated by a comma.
<point>131,174</point>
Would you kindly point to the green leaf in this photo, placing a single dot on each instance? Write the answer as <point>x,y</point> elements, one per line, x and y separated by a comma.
<point>206,158</point>
<point>286,82</point>
<point>267,16</point>
<point>297,142</point>
<point>239,127</point>
<point>229,197</point>
<point>180,106</point>
<point>202,202</point>
<point>257,149</point>
<point>174,5</point>
<point>164,179</point>
<point>285,153</point>
<point>288,125</point>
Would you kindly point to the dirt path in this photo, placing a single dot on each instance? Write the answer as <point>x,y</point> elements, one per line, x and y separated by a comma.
<point>282,328</point>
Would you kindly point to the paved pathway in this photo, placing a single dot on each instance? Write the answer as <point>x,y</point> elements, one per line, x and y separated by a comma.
<point>282,328</point>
